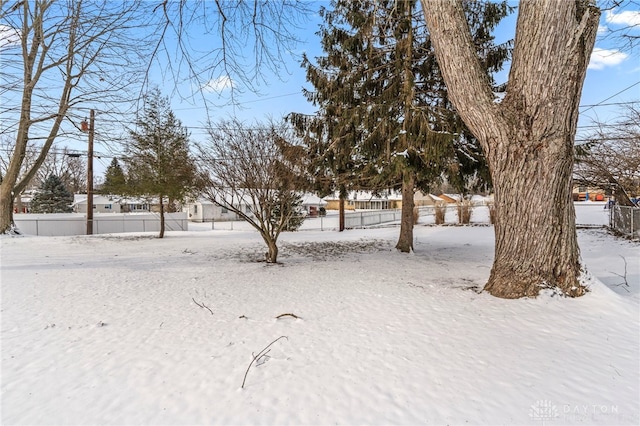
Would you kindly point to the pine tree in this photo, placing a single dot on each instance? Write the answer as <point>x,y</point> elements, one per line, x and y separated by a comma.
<point>52,197</point>
<point>158,160</point>
<point>115,180</point>
<point>291,209</point>
<point>384,120</point>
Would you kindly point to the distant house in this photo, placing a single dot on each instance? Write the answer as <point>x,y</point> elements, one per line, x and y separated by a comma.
<point>135,205</point>
<point>110,204</point>
<point>101,204</point>
<point>203,210</point>
<point>584,193</point>
<point>22,204</point>
<point>312,204</point>
<point>365,200</point>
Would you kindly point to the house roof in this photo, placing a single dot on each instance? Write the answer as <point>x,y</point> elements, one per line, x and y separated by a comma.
<point>367,196</point>
<point>97,199</point>
<point>106,199</point>
<point>312,200</point>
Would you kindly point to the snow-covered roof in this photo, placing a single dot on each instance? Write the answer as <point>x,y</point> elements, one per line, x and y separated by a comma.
<point>312,200</point>
<point>368,195</point>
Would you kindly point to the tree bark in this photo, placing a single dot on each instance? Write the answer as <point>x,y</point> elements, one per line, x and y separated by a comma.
<point>341,213</point>
<point>405,240</point>
<point>528,137</point>
<point>161,219</point>
<point>272,255</point>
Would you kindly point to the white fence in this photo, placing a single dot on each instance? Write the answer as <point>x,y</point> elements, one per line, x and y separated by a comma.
<point>59,224</point>
<point>364,218</point>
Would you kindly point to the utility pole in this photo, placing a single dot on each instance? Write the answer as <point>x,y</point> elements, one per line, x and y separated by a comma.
<point>90,174</point>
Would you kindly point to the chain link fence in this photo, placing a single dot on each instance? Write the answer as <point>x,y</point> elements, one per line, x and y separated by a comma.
<point>625,221</point>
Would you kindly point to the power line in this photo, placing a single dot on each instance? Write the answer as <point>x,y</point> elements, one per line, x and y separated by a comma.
<point>245,102</point>
<point>601,103</point>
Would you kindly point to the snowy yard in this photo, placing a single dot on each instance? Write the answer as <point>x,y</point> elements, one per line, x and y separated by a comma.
<point>130,329</point>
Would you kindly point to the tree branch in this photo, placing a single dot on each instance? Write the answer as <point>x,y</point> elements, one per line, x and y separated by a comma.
<point>261,353</point>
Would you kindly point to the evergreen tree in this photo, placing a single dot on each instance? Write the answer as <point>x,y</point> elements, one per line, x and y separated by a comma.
<point>290,210</point>
<point>158,159</point>
<point>115,180</point>
<point>52,197</point>
<point>384,120</point>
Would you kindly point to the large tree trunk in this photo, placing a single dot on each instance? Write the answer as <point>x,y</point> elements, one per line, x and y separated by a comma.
<point>528,137</point>
<point>6,207</point>
<point>405,241</point>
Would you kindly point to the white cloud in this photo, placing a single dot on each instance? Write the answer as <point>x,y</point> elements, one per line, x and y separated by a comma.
<point>601,58</point>
<point>219,84</point>
<point>9,37</point>
<point>628,17</point>
<point>602,29</point>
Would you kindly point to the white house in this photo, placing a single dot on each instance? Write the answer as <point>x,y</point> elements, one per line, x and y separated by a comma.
<point>312,204</point>
<point>110,204</point>
<point>101,204</point>
<point>203,210</point>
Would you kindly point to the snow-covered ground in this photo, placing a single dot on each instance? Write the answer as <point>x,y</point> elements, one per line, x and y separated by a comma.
<point>131,329</point>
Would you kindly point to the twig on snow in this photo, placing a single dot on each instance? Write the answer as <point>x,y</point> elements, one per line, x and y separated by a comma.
<point>624,277</point>
<point>288,315</point>
<point>260,354</point>
<point>202,305</point>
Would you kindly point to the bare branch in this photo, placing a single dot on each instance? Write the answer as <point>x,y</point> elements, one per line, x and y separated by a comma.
<point>202,305</point>
<point>260,354</point>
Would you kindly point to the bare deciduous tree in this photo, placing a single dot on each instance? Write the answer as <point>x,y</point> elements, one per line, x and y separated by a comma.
<point>69,166</point>
<point>621,24</point>
<point>611,159</point>
<point>248,174</point>
<point>228,45</point>
<point>58,58</point>
<point>528,137</point>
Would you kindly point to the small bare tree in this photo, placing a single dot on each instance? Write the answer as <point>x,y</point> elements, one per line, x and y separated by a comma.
<point>611,158</point>
<point>248,174</point>
<point>68,165</point>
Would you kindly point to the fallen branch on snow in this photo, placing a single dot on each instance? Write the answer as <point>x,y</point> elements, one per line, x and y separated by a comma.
<point>202,305</point>
<point>256,357</point>
<point>288,315</point>
<point>624,277</point>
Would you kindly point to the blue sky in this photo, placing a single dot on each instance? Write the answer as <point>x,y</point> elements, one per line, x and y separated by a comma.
<point>613,78</point>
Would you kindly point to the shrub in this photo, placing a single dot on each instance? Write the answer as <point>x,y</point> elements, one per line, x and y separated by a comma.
<point>440,209</point>
<point>464,211</point>
<point>416,215</point>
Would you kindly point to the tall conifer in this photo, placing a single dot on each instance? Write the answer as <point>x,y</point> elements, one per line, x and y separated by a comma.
<point>384,119</point>
<point>159,163</point>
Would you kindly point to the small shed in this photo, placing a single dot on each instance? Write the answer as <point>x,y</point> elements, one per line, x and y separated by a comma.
<point>312,204</point>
